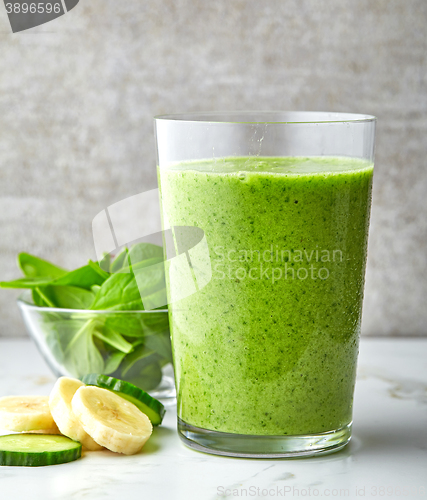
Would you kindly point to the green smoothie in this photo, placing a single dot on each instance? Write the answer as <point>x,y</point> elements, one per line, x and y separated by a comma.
<point>269,345</point>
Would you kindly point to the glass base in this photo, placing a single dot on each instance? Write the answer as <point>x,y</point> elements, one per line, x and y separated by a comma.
<point>247,446</point>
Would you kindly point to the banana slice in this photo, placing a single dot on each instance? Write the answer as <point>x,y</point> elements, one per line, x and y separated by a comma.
<point>111,420</point>
<point>51,430</point>
<point>62,412</point>
<point>25,413</point>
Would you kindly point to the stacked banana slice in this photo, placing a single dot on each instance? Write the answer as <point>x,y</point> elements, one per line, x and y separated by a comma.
<point>62,412</point>
<point>96,417</point>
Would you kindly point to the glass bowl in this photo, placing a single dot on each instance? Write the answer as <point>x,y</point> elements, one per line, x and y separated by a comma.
<point>130,345</point>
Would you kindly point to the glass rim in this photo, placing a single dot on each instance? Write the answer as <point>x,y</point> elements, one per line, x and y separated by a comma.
<point>268,117</point>
<point>23,302</point>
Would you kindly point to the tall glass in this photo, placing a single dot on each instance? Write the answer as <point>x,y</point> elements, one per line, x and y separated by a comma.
<point>266,221</point>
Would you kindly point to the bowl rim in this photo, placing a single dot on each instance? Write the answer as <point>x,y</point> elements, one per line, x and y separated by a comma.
<point>254,117</point>
<point>23,302</point>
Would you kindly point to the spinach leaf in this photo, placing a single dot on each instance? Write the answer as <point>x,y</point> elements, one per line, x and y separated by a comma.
<point>82,353</point>
<point>40,299</point>
<point>120,261</point>
<point>105,262</point>
<point>83,277</point>
<point>151,285</point>
<point>161,344</point>
<point>59,332</point>
<point>155,322</point>
<point>156,300</point>
<point>34,267</point>
<point>140,353</point>
<point>37,298</point>
<point>112,362</point>
<point>139,255</point>
<point>119,292</point>
<point>113,339</point>
<point>145,251</point>
<point>141,367</point>
<point>128,324</point>
<point>139,265</point>
<point>27,282</point>
<point>149,376</point>
<point>98,269</point>
<point>67,297</point>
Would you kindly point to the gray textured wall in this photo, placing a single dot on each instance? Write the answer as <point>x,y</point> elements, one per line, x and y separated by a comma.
<point>77,96</point>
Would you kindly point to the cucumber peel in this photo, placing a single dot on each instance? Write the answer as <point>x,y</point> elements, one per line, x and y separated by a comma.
<point>34,450</point>
<point>153,408</point>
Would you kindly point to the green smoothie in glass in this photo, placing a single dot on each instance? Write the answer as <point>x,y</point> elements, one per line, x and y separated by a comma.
<point>269,346</point>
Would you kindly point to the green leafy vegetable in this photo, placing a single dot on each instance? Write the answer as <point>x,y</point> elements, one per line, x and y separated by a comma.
<point>40,299</point>
<point>114,339</point>
<point>120,261</point>
<point>119,292</point>
<point>113,361</point>
<point>98,269</point>
<point>83,277</point>
<point>118,334</point>
<point>142,253</point>
<point>33,267</point>
<point>105,262</point>
<point>83,343</point>
<point>27,282</point>
<point>66,297</point>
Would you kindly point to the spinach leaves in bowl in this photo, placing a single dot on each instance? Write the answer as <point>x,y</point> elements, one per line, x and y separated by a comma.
<point>99,317</point>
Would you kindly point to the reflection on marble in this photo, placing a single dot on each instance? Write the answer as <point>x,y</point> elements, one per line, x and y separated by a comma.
<point>388,451</point>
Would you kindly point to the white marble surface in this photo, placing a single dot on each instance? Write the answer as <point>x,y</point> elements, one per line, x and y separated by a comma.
<point>387,456</point>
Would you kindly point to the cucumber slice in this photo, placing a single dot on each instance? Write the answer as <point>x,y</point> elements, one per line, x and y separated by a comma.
<point>34,450</point>
<point>153,408</point>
